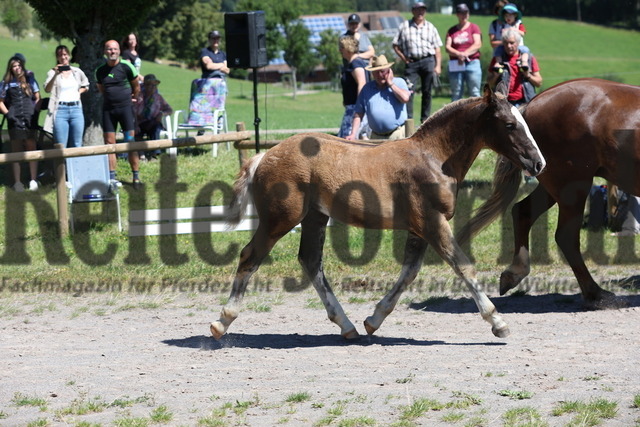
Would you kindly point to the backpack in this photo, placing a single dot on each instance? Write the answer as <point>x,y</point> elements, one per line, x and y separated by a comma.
<point>596,217</point>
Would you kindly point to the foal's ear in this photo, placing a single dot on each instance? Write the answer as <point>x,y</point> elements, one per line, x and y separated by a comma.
<point>488,94</point>
<point>502,88</point>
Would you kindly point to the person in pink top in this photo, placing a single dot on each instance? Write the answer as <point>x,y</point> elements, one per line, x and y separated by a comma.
<point>463,44</point>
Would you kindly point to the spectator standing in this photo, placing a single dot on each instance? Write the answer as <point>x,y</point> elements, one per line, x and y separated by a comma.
<point>521,82</point>
<point>353,79</point>
<point>495,28</point>
<point>383,101</point>
<point>19,94</point>
<point>150,109</point>
<point>463,44</point>
<point>418,43</point>
<point>130,46</point>
<point>209,93</point>
<point>365,48</point>
<point>510,17</point>
<point>117,81</point>
<point>213,61</point>
<point>64,116</point>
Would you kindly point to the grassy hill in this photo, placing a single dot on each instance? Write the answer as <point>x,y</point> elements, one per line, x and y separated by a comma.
<point>565,50</point>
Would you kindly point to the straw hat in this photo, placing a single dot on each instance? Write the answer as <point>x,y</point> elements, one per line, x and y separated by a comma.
<point>379,63</point>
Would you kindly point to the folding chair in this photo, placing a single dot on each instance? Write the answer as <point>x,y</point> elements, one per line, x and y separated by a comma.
<point>88,181</point>
<point>206,110</point>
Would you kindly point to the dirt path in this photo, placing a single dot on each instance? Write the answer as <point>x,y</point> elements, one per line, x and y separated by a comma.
<point>129,357</point>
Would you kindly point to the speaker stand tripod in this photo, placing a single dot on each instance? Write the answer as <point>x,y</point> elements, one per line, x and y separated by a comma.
<point>256,119</point>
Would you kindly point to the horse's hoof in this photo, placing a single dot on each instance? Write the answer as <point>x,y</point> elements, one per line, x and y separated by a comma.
<point>502,331</point>
<point>508,281</point>
<point>351,335</point>
<point>606,301</point>
<point>370,329</point>
<point>217,329</point>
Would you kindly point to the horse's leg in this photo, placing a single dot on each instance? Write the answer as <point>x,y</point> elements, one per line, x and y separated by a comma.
<point>568,239</point>
<point>413,254</point>
<point>251,257</point>
<point>524,215</point>
<point>310,256</point>
<point>441,238</point>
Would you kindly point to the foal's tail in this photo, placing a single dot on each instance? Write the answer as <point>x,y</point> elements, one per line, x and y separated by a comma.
<point>238,204</point>
<point>506,181</point>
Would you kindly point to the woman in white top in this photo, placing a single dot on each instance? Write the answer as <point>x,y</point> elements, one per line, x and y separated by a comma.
<point>65,116</point>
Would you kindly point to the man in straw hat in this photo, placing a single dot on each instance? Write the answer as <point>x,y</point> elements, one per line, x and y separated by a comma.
<point>384,101</point>
<point>418,43</point>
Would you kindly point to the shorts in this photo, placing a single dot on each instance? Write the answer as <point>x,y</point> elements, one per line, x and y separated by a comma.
<point>19,134</point>
<point>122,115</point>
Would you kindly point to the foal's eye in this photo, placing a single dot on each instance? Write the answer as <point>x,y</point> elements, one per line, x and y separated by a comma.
<point>511,126</point>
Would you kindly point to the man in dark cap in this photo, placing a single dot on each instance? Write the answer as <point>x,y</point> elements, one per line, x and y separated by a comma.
<point>365,48</point>
<point>418,43</point>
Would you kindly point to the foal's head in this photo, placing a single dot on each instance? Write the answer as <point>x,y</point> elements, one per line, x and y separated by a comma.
<point>504,130</point>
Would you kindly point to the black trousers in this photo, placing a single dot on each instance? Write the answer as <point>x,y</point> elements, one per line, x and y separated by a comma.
<point>423,70</point>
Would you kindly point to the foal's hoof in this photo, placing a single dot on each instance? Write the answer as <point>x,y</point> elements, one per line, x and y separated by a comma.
<point>351,334</point>
<point>370,329</point>
<point>217,329</point>
<point>509,280</point>
<point>501,331</point>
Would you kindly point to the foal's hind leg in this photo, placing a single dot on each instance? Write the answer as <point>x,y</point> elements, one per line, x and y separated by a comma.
<point>310,256</point>
<point>445,244</point>
<point>250,259</point>
<point>413,255</point>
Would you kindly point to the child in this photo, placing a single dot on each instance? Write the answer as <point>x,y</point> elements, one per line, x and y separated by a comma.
<point>510,16</point>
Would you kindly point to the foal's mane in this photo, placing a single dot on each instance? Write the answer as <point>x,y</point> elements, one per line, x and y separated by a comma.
<point>443,114</point>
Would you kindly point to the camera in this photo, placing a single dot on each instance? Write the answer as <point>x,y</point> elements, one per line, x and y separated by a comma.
<point>64,68</point>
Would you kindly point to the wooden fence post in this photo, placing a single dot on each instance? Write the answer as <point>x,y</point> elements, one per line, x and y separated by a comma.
<point>242,154</point>
<point>409,128</point>
<point>61,192</point>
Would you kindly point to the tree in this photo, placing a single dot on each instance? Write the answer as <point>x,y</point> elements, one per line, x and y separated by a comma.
<point>330,55</point>
<point>178,29</point>
<point>298,51</point>
<point>88,24</point>
<point>16,16</point>
<point>286,32</point>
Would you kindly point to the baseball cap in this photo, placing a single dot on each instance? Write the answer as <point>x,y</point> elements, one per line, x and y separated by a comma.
<point>419,4</point>
<point>462,8</point>
<point>354,17</point>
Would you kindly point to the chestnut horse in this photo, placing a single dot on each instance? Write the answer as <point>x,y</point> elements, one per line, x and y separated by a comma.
<point>408,184</point>
<point>585,128</point>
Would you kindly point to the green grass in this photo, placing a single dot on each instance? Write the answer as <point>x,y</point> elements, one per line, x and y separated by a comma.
<point>177,264</point>
<point>523,417</point>
<point>299,397</point>
<point>587,414</point>
<point>516,394</point>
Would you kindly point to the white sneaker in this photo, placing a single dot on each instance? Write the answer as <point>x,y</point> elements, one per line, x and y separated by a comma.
<point>18,187</point>
<point>33,185</point>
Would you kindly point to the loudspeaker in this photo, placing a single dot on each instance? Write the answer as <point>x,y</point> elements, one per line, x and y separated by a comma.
<point>246,39</point>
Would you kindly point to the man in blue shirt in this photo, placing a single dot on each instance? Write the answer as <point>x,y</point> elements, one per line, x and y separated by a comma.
<point>384,101</point>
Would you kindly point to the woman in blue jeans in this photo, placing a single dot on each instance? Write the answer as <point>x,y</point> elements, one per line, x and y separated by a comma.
<point>65,116</point>
<point>463,46</point>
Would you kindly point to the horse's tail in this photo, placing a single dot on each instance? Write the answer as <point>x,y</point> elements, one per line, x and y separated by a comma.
<point>506,182</point>
<point>238,204</point>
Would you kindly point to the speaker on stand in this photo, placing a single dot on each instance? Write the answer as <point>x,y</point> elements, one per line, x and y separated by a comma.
<point>246,45</point>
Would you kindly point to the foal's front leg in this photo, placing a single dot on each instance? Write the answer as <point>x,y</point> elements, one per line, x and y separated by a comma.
<point>445,244</point>
<point>310,257</point>
<point>413,254</point>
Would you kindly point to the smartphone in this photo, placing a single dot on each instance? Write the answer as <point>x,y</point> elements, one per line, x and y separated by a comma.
<point>64,68</point>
